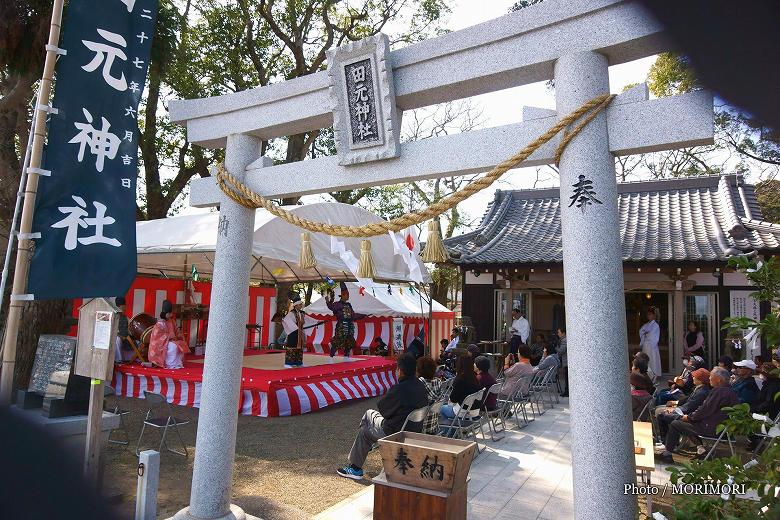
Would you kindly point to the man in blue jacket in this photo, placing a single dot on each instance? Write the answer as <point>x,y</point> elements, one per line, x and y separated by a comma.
<point>408,395</point>
<point>745,384</point>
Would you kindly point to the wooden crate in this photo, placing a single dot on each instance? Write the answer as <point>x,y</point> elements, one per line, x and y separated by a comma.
<point>394,501</point>
<point>426,461</point>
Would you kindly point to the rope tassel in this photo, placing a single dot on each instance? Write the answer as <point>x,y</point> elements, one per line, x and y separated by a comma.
<point>366,267</point>
<point>306,260</point>
<point>434,251</point>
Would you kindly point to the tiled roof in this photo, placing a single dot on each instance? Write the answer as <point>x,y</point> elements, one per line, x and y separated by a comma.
<point>690,219</point>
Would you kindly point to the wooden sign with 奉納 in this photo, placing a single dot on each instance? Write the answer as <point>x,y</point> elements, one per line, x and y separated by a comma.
<point>98,322</point>
<point>426,461</point>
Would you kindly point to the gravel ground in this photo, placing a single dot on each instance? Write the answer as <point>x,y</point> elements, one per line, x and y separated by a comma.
<point>285,467</point>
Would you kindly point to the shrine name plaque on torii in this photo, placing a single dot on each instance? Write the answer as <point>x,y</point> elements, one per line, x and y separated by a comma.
<point>572,42</point>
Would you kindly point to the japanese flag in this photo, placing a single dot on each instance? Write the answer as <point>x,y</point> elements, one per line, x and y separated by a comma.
<point>407,245</point>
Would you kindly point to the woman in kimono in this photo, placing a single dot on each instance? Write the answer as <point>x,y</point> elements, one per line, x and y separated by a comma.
<point>166,345</point>
<point>649,335</point>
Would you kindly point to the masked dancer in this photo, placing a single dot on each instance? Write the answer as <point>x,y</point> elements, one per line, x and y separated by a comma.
<point>346,316</point>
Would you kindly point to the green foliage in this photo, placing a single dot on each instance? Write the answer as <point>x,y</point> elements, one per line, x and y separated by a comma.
<point>765,276</point>
<point>761,477</point>
<point>740,421</point>
<point>768,196</point>
<point>671,74</point>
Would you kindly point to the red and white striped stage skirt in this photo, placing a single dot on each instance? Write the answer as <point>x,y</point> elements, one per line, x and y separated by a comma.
<point>266,393</point>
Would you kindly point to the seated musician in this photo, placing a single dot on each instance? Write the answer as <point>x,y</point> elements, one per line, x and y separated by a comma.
<point>380,348</point>
<point>166,345</point>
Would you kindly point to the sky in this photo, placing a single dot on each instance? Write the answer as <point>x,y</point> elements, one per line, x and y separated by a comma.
<point>505,107</point>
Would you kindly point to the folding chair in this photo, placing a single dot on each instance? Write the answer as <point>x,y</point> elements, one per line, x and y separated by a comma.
<point>108,391</point>
<point>520,399</point>
<point>160,416</point>
<point>717,440</point>
<point>497,415</point>
<point>768,435</point>
<point>535,391</point>
<point>446,389</point>
<point>462,425</point>
<point>415,416</point>
<point>544,385</point>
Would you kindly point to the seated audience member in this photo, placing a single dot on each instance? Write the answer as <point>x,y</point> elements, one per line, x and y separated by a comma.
<point>404,397</point>
<point>537,348</point>
<point>649,371</point>
<point>745,384</point>
<point>486,380</point>
<point>726,362</point>
<point>426,372</point>
<point>705,419</point>
<point>465,384</point>
<point>443,344</point>
<point>549,359</point>
<point>682,384</point>
<point>639,396</point>
<point>639,367</point>
<point>767,402</point>
<point>675,409</point>
<point>515,371</point>
<point>474,350</point>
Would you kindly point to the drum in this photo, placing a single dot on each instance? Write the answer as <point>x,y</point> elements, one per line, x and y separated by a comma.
<point>140,327</point>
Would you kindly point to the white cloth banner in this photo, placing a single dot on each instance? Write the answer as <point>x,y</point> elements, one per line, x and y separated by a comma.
<point>401,247</point>
<point>337,247</point>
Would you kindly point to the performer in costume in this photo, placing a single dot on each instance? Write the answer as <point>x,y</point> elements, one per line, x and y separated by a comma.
<point>294,324</point>
<point>344,336</point>
<point>166,345</point>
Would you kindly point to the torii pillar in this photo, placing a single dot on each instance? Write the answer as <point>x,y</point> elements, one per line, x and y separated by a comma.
<point>602,451</point>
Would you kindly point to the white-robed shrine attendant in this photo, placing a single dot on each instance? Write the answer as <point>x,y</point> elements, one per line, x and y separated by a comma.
<point>649,336</point>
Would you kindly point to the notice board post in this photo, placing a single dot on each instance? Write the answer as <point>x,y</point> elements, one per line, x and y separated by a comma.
<point>98,322</point>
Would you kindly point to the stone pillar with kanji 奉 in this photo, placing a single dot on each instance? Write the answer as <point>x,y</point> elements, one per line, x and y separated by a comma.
<point>602,456</point>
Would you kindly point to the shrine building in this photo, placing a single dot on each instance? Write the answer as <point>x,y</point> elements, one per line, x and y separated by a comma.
<point>676,238</point>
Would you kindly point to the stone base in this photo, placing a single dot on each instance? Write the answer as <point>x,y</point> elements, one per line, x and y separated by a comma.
<point>70,431</point>
<point>236,513</point>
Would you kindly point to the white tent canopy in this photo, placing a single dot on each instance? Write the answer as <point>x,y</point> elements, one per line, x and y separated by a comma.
<point>171,246</point>
<point>377,301</point>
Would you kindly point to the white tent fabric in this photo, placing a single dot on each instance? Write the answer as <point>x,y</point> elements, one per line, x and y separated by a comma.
<point>172,245</point>
<point>376,301</point>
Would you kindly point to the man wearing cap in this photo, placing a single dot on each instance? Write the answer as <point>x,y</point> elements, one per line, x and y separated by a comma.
<point>745,384</point>
<point>166,344</point>
<point>686,405</point>
<point>294,324</point>
<point>344,336</point>
<point>520,330</point>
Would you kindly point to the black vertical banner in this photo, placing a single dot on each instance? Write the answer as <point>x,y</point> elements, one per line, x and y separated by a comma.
<point>85,210</point>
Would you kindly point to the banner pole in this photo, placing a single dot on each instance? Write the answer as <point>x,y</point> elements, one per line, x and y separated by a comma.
<point>19,198</point>
<point>23,252</point>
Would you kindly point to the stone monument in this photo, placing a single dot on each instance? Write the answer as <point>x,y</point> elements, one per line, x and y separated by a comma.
<point>571,41</point>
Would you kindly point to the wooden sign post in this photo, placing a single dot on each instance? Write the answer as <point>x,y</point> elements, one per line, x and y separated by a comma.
<point>98,322</point>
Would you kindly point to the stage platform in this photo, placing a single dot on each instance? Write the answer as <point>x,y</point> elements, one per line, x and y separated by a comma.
<point>268,389</point>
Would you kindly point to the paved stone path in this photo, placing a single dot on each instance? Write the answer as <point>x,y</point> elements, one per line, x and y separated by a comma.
<point>524,476</point>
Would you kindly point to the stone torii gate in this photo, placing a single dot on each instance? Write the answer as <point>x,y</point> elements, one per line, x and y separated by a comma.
<point>362,94</point>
